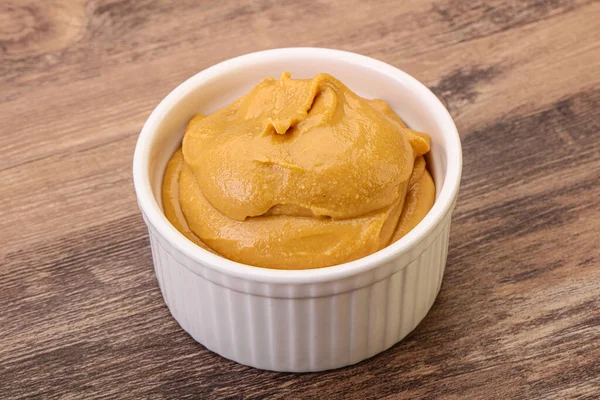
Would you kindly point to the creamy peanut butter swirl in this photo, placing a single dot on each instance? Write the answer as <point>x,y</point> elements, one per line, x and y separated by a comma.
<point>298,174</point>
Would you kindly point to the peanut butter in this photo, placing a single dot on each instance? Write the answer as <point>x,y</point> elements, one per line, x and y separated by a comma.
<point>298,173</point>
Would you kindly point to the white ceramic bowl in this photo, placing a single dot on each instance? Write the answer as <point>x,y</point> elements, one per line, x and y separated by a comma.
<point>303,320</point>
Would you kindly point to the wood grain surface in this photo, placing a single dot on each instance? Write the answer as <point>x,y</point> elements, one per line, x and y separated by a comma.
<point>518,316</point>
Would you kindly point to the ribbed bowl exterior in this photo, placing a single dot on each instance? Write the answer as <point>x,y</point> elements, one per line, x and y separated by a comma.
<point>320,326</point>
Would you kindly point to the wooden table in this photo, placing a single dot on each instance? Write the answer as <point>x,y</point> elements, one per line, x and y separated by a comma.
<point>518,316</point>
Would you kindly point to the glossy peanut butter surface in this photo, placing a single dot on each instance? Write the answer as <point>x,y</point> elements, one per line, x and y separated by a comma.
<point>298,174</point>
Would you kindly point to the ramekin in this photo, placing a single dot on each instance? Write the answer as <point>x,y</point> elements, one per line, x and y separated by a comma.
<point>302,320</point>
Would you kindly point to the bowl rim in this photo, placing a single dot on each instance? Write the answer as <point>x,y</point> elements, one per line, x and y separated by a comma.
<point>156,218</point>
